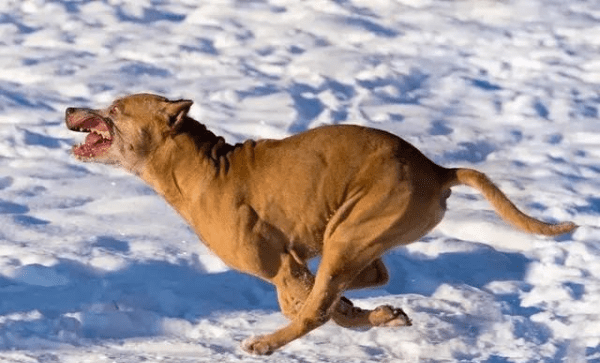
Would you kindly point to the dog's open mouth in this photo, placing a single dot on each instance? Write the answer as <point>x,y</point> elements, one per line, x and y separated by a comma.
<point>97,142</point>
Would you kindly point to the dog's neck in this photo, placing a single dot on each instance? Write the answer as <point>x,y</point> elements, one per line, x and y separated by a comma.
<point>174,169</point>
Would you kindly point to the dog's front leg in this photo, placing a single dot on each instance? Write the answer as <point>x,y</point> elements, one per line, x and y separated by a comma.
<point>314,313</point>
<point>294,281</point>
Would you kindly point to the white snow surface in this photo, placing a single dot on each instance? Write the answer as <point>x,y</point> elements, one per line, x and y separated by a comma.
<point>95,267</point>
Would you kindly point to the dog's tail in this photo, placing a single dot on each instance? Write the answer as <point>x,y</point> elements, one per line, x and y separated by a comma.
<point>503,206</point>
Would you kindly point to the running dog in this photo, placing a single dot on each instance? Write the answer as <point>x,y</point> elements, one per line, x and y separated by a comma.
<point>266,207</point>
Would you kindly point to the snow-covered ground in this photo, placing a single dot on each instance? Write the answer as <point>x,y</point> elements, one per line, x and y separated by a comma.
<point>94,267</point>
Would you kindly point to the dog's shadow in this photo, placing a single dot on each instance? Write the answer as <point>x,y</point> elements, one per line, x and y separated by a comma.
<point>71,298</point>
<point>475,265</point>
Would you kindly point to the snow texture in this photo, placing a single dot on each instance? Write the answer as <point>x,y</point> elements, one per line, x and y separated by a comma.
<point>94,267</point>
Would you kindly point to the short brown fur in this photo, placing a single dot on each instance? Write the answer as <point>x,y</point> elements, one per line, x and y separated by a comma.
<point>346,193</point>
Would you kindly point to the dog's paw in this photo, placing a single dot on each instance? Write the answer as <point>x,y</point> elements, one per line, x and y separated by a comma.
<point>257,346</point>
<point>389,316</point>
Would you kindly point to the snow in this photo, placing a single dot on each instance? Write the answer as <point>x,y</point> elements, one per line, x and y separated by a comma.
<point>95,267</point>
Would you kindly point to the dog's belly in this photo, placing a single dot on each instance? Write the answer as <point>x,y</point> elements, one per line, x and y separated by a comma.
<point>300,233</point>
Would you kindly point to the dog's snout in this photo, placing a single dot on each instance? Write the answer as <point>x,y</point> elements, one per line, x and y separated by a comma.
<point>70,111</point>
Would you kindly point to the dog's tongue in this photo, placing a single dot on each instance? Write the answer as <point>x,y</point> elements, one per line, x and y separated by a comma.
<point>94,145</point>
<point>93,138</point>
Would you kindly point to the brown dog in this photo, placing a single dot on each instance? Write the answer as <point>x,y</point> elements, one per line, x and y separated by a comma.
<point>266,207</point>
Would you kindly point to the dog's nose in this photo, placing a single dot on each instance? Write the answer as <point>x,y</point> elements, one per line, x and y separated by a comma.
<point>69,111</point>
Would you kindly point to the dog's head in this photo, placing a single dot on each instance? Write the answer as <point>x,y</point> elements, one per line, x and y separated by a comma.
<point>128,130</point>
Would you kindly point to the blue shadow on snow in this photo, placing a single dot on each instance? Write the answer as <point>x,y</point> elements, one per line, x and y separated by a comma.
<point>142,292</point>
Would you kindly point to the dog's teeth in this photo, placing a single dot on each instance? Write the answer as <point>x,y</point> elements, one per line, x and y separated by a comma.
<point>102,133</point>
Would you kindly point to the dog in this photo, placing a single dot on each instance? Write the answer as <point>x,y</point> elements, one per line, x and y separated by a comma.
<point>266,207</point>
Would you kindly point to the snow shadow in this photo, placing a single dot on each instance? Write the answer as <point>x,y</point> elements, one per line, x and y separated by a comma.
<point>408,88</point>
<point>202,45</point>
<point>8,207</point>
<point>438,128</point>
<point>21,27</point>
<point>423,275</point>
<point>139,69</point>
<point>37,139</point>
<point>592,206</point>
<point>149,16</point>
<point>72,299</point>
<point>307,102</point>
<point>15,95</point>
<point>142,15</point>
<point>485,84</point>
<point>370,26</point>
<point>472,152</point>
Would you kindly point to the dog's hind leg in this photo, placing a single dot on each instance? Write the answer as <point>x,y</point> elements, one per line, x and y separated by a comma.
<point>294,282</point>
<point>373,275</point>
<point>350,316</point>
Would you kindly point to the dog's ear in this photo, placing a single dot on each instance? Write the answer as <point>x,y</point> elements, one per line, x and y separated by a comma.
<point>177,111</point>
